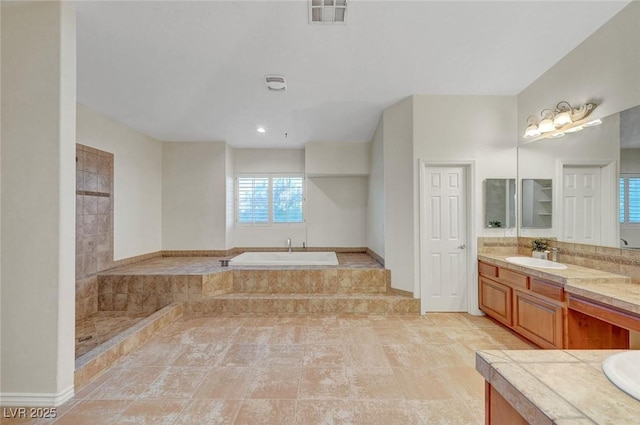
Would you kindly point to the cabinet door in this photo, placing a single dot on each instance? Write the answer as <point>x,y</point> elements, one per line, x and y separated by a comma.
<point>538,320</point>
<point>495,300</point>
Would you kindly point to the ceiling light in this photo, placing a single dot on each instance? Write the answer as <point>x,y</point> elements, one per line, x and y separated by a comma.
<point>261,130</point>
<point>327,11</point>
<point>565,119</point>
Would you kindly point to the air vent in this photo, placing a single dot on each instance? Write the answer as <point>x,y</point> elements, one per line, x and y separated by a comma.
<point>327,11</point>
<point>276,82</point>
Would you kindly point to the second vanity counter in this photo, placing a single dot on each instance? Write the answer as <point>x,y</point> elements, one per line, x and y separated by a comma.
<point>550,387</point>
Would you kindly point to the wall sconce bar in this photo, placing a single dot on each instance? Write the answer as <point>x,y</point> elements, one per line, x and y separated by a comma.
<point>555,124</point>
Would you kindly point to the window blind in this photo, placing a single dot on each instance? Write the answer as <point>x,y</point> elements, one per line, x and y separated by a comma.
<point>253,200</point>
<point>287,199</point>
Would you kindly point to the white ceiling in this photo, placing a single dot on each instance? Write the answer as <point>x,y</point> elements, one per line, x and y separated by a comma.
<point>194,71</point>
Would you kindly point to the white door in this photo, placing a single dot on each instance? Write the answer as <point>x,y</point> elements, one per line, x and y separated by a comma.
<point>443,239</point>
<point>581,205</point>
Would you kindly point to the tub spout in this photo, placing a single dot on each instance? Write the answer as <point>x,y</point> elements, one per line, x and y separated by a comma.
<point>289,244</point>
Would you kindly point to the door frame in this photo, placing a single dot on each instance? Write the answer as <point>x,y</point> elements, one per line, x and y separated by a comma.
<point>609,174</point>
<point>472,246</point>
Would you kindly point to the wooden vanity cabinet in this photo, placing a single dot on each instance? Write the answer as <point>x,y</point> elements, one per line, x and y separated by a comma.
<point>530,306</point>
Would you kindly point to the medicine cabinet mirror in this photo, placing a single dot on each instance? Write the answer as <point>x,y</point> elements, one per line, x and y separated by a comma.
<point>500,203</point>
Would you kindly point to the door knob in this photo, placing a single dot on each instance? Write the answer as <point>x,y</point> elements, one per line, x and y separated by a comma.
<point>463,246</point>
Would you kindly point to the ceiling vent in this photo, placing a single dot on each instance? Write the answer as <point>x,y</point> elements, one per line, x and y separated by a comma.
<point>276,82</point>
<point>327,11</point>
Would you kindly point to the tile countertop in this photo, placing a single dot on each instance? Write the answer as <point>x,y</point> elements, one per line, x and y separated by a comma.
<point>565,387</point>
<point>603,287</point>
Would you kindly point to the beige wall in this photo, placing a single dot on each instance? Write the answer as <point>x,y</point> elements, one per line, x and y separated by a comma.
<point>137,181</point>
<point>193,196</point>
<point>399,229</point>
<point>337,159</point>
<point>38,204</point>
<point>336,211</point>
<point>605,68</point>
<point>375,198</point>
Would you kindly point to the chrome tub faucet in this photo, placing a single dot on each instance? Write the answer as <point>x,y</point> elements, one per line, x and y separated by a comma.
<point>289,244</point>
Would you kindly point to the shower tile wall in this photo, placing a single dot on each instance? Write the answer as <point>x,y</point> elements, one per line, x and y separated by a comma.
<point>94,223</point>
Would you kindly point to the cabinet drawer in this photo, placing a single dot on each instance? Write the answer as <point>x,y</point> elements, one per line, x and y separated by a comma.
<point>515,279</point>
<point>487,270</point>
<point>548,289</point>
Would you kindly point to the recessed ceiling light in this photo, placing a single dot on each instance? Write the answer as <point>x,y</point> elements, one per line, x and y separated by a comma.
<point>261,130</point>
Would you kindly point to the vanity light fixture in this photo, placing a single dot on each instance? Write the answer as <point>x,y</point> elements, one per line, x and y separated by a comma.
<point>555,124</point>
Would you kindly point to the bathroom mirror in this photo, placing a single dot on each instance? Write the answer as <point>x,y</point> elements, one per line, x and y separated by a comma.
<point>594,173</point>
<point>537,203</point>
<point>500,203</point>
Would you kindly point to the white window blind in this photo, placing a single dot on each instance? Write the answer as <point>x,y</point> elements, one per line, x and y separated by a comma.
<point>287,199</point>
<point>253,200</point>
<point>269,199</point>
<point>630,199</point>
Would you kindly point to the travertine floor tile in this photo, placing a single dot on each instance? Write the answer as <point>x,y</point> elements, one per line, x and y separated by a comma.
<point>153,412</point>
<point>225,383</point>
<point>275,383</point>
<point>334,412</point>
<point>324,383</point>
<point>266,412</point>
<point>305,370</point>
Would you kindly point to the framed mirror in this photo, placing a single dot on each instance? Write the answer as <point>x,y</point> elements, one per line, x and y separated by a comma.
<point>500,203</point>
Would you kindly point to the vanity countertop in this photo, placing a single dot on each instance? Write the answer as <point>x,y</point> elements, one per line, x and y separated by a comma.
<point>564,387</point>
<point>603,287</point>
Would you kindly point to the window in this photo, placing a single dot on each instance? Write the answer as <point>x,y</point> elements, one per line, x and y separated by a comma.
<point>630,199</point>
<point>269,199</point>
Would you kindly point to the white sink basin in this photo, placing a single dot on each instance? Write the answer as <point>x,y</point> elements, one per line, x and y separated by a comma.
<point>536,262</point>
<point>623,369</point>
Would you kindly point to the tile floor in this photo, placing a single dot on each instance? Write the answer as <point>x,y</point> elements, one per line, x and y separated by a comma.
<point>303,370</point>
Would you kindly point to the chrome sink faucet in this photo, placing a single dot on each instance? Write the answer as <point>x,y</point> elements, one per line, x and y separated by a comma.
<point>289,244</point>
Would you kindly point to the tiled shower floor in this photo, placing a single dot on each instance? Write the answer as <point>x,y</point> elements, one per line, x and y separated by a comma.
<point>102,326</point>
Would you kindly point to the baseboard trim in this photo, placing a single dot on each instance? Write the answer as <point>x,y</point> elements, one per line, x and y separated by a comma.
<point>36,399</point>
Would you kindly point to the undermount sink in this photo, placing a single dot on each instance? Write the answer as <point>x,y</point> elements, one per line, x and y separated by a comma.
<point>623,370</point>
<point>535,262</point>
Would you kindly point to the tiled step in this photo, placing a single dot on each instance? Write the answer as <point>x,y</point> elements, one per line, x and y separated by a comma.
<point>310,281</point>
<point>254,303</point>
